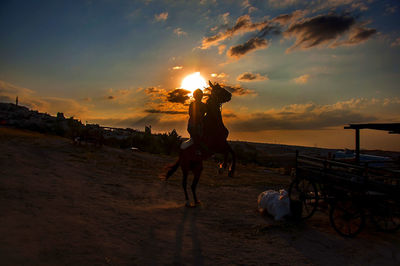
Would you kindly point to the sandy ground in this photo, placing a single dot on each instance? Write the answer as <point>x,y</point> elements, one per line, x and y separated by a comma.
<point>62,204</point>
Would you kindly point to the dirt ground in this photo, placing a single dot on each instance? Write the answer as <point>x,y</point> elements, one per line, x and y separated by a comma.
<point>62,204</point>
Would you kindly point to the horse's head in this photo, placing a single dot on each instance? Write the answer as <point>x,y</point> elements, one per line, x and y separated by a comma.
<point>219,94</point>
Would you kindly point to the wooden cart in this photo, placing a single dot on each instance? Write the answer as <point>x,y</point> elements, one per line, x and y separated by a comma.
<point>353,192</point>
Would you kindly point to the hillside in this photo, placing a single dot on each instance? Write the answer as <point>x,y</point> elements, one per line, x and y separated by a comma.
<point>275,156</point>
<point>67,204</point>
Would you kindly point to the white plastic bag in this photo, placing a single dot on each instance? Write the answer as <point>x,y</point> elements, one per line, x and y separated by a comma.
<point>275,203</point>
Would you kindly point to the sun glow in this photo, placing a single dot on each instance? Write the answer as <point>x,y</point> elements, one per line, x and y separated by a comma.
<point>193,82</point>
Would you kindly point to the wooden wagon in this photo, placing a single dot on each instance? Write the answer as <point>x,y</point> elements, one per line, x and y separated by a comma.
<point>353,190</point>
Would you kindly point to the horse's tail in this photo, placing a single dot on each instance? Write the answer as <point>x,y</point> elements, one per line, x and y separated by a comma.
<point>172,169</point>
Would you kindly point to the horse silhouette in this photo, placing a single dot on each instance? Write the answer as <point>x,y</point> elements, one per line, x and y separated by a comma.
<point>214,140</point>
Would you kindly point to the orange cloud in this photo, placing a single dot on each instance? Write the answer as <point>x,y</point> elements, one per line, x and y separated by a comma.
<point>51,105</point>
<point>303,79</point>
<point>161,17</point>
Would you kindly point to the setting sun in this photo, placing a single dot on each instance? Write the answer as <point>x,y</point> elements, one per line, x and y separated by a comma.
<point>193,81</point>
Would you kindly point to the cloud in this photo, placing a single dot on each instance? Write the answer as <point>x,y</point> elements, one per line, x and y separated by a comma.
<point>243,24</point>
<point>249,46</point>
<point>282,3</point>
<point>153,90</point>
<point>204,2</point>
<point>318,31</point>
<point>225,18</point>
<point>10,90</point>
<point>220,75</point>
<point>318,5</point>
<point>221,48</point>
<point>161,17</point>
<point>69,107</point>
<point>301,117</point>
<point>357,36</point>
<point>169,112</point>
<point>178,96</point>
<point>52,105</point>
<point>136,122</point>
<point>179,32</point>
<point>391,9</point>
<point>247,76</point>
<point>157,121</point>
<point>238,90</point>
<point>302,79</point>
<point>350,5</point>
<point>162,101</point>
<point>228,114</point>
<point>286,19</point>
<point>246,5</point>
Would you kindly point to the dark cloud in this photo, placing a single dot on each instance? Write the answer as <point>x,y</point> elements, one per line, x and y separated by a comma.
<point>328,29</point>
<point>237,90</point>
<point>229,115</point>
<point>249,46</point>
<point>357,36</point>
<point>243,24</point>
<point>318,30</point>
<point>169,112</point>
<point>247,76</point>
<point>267,30</point>
<point>178,96</point>
<point>152,90</point>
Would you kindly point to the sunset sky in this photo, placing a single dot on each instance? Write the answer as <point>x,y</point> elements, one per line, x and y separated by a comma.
<point>299,71</point>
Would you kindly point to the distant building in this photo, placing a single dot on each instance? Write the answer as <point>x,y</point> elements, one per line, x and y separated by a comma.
<point>60,116</point>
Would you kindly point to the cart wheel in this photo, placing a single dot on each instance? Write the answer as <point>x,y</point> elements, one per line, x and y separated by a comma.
<point>347,218</point>
<point>305,192</point>
<point>386,216</point>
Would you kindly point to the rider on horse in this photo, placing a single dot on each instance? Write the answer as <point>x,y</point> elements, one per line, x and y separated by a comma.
<point>208,133</point>
<point>197,111</point>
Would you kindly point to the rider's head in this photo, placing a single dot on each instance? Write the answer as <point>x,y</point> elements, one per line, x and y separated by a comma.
<point>198,95</point>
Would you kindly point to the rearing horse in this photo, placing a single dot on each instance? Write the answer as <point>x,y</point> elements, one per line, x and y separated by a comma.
<point>214,138</point>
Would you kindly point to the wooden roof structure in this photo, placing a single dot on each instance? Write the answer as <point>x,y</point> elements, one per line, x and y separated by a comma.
<point>392,128</point>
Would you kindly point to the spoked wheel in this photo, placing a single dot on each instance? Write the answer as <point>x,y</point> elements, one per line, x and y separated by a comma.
<point>305,193</point>
<point>347,218</point>
<point>386,216</point>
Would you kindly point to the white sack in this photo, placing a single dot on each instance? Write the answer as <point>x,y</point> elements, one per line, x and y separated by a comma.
<point>275,203</point>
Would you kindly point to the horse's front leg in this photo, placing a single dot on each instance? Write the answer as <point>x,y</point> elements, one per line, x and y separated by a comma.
<point>184,185</point>
<point>196,178</point>
<point>231,172</point>
<point>223,165</point>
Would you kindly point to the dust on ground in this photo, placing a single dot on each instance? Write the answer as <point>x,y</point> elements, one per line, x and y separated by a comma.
<point>81,205</point>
